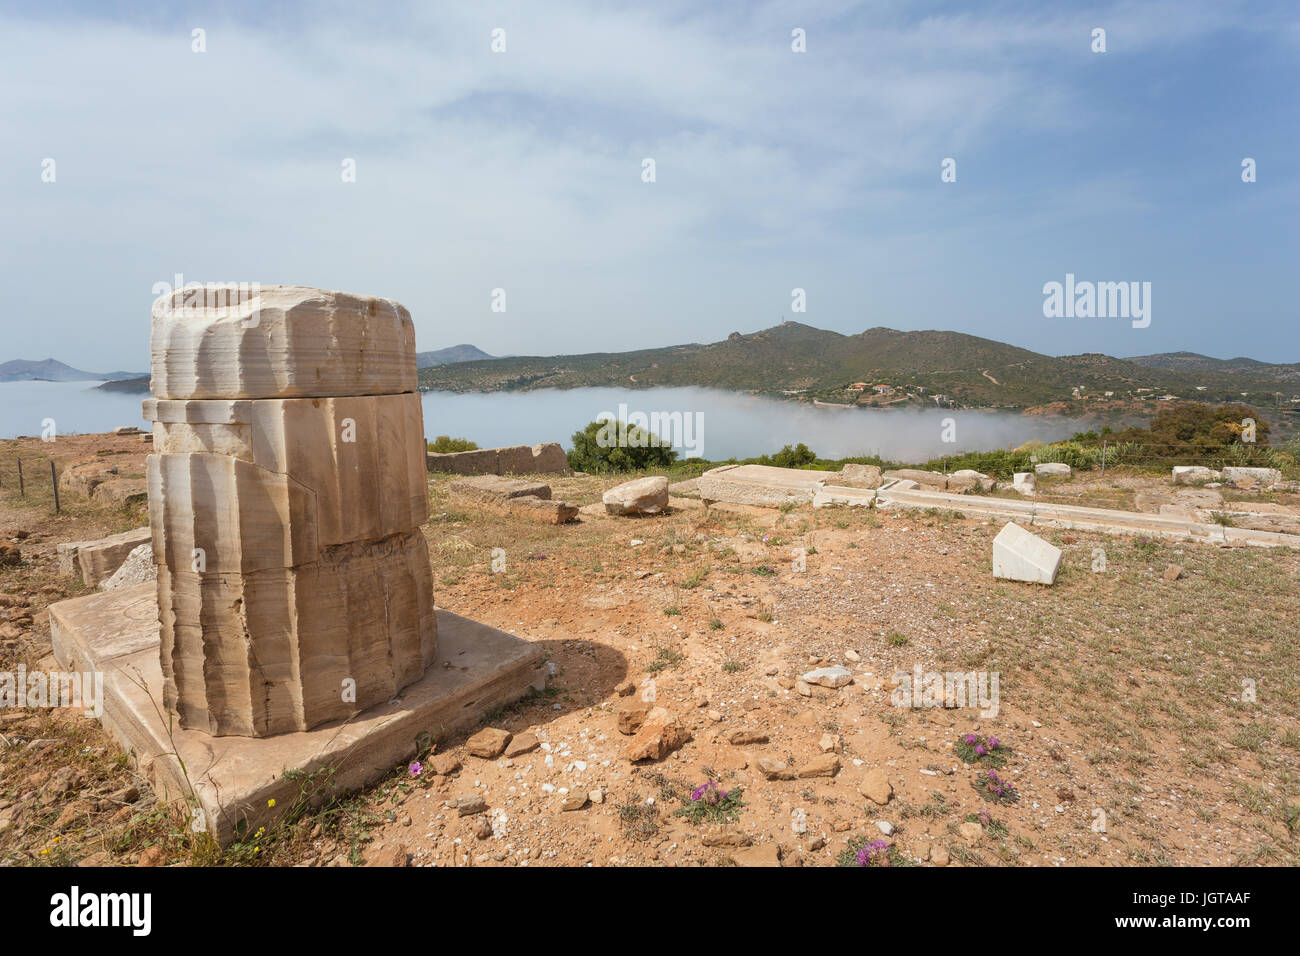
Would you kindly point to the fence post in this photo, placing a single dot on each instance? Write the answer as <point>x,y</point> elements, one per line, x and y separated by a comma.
<point>54,483</point>
<point>22,488</point>
<point>1103,460</point>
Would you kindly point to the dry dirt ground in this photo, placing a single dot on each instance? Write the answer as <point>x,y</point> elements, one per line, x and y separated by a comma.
<point>1141,720</point>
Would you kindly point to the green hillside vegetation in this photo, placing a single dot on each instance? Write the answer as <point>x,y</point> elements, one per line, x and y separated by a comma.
<point>796,360</point>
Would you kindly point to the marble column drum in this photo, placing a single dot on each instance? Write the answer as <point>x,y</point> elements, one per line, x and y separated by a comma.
<point>286,494</point>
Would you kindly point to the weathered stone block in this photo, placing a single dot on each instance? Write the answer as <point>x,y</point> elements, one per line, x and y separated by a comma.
<point>495,489</point>
<point>550,458</point>
<point>1194,474</point>
<point>542,510</point>
<point>483,461</point>
<point>515,460</point>
<point>1245,477</point>
<point>79,479</point>
<point>860,476</point>
<point>926,479</point>
<point>1054,469</point>
<point>645,496</point>
<point>120,491</point>
<point>1019,555</point>
<point>97,560</point>
<point>279,342</point>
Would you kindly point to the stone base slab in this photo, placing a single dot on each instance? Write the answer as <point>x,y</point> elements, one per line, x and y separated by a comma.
<point>116,633</point>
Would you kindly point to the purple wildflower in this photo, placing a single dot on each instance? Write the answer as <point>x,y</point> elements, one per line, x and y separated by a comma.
<point>979,750</point>
<point>708,792</point>
<point>869,853</point>
<point>416,769</point>
<point>993,743</point>
<point>972,739</point>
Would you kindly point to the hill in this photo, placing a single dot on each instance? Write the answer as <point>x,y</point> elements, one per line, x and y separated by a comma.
<point>919,367</point>
<point>52,370</point>
<point>448,356</point>
<point>1194,362</point>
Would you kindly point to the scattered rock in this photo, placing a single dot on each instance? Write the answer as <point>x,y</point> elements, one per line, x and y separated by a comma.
<point>522,744</point>
<point>1173,572</point>
<point>394,855</point>
<point>445,764</point>
<point>837,676</point>
<point>746,735</point>
<point>971,832</point>
<point>574,801</point>
<point>875,787</point>
<point>488,743</point>
<point>153,856</point>
<point>765,854</point>
<point>660,735</point>
<point>773,769</point>
<point>631,714</point>
<point>822,765</point>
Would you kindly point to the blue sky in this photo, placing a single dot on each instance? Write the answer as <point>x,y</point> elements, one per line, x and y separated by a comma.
<point>775,170</point>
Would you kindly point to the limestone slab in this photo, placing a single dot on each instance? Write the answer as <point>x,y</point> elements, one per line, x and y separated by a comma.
<point>1019,555</point>
<point>478,670</point>
<point>495,489</point>
<point>763,485</point>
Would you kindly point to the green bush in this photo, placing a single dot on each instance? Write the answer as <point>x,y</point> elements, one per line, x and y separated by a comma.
<point>797,457</point>
<point>610,446</point>
<point>444,444</point>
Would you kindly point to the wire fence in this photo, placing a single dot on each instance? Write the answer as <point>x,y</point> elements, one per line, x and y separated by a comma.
<point>31,477</point>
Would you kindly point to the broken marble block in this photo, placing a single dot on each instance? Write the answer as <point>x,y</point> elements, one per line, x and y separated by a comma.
<point>1053,469</point>
<point>1024,482</point>
<point>1246,477</point>
<point>641,496</point>
<point>294,584</point>
<point>98,560</point>
<point>1194,474</point>
<point>1019,555</point>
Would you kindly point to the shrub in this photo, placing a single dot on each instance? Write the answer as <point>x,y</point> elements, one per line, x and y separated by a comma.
<point>797,457</point>
<point>444,444</point>
<point>606,446</point>
<point>710,802</point>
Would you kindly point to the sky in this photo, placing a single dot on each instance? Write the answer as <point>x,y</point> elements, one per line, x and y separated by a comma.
<point>523,169</point>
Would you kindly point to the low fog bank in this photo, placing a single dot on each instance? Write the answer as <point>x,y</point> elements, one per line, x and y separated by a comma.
<point>714,424</point>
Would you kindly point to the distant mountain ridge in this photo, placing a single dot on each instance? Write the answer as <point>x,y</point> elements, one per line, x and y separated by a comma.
<point>448,356</point>
<point>1195,362</point>
<point>52,370</point>
<point>797,359</point>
